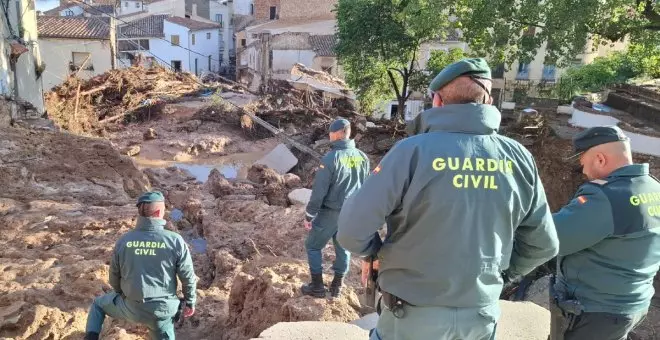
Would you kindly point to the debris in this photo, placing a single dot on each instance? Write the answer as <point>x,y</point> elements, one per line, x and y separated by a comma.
<point>300,196</point>
<point>131,151</point>
<point>150,134</point>
<point>280,159</point>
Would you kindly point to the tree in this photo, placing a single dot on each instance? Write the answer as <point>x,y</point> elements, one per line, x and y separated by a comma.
<point>378,44</point>
<point>440,59</point>
<point>507,30</point>
<point>636,61</point>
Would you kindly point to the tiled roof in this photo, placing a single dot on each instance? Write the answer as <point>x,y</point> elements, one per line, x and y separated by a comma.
<point>73,27</point>
<point>323,45</point>
<point>191,24</point>
<point>98,9</point>
<point>151,26</point>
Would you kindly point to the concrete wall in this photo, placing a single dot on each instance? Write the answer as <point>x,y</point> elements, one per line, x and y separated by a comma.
<point>243,7</point>
<point>290,41</point>
<point>308,9</point>
<point>283,60</point>
<point>60,53</point>
<point>130,6</point>
<point>262,8</point>
<point>206,47</point>
<point>28,86</point>
<point>166,51</point>
<point>77,10</point>
<point>202,8</point>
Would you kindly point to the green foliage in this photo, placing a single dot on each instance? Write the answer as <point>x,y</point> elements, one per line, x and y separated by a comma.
<point>637,61</point>
<point>378,41</point>
<point>506,30</point>
<point>440,59</point>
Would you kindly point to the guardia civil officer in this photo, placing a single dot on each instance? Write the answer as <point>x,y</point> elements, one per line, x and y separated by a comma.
<point>455,197</point>
<point>143,273</point>
<point>341,172</point>
<point>609,237</point>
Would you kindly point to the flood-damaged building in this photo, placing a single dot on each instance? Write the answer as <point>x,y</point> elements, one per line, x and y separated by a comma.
<point>21,66</point>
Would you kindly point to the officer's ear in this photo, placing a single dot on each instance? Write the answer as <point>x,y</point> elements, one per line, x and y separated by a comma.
<point>489,101</point>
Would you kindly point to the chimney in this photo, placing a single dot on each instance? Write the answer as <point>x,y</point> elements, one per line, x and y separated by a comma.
<point>194,10</point>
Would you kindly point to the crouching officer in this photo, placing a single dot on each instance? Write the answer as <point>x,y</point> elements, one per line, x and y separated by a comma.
<point>341,172</point>
<point>143,273</point>
<point>454,197</point>
<point>609,237</point>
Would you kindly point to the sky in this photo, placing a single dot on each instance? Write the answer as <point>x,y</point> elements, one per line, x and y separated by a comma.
<point>44,5</point>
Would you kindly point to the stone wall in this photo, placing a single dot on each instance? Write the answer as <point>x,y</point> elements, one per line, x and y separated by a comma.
<point>308,9</point>
<point>637,106</point>
<point>262,8</point>
<point>5,113</point>
<point>290,41</point>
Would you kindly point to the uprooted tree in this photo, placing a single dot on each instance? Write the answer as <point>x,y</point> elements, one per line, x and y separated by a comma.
<point>379,43</point>
<point>507,30</point>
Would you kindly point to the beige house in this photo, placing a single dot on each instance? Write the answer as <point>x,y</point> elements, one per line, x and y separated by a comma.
<point>81,46</point>
<point>20,61</point>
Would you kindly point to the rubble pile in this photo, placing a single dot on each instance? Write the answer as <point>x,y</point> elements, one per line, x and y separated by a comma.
<point>85,105</point>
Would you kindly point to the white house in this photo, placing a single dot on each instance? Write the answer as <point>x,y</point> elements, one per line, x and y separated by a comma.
<point>183,44</point>
<point>222,12</point>
<point>20,61</point>
<point>75,45</point>
<point>130,10</point>
<point>88,8</point>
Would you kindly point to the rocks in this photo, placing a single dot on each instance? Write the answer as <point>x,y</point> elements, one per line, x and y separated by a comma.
<point>191,125</point>
<point>300,196</point>
<point>370,125</point>
<point>131,151</point>
<point>267,291</point>
<point>150,134</point>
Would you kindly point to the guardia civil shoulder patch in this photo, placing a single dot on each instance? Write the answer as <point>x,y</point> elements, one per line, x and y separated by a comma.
<point>582,199</point>
<point>376,170</point>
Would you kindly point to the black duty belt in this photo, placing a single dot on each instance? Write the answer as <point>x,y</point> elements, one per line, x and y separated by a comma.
<point>393,303</point>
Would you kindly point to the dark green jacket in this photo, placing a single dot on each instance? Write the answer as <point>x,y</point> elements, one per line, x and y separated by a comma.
<point>455,198</point>
<point>147,261</point>
<point>610,242</point>
<point>341,172</point>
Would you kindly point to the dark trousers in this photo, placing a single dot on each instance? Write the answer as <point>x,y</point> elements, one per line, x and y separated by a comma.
<point>592,326</point>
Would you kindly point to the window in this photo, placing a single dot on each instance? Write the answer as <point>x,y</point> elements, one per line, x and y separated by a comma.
<point>273,13</point>
<point>81,60</point>
<point>196,71</point>
<point>251,9</point>
<point>218,18</point>
<point>193,38</point>
<point>126,4</point>
<point>209,63</point>
<point>327,69</point>
<point>549,72</point>
<point>174,38</point>
<point>68,13</point>
<point>498,72</point>
<point>133,45</point>
<point>523,71</point>
<point>137,5</point>
<point>243,42</point>
<point>208,36</point>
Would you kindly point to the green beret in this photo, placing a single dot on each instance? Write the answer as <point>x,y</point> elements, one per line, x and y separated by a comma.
<point>339,124</point>
<point>595,136</point>
<point>477,67</point>
<point>152,196</point>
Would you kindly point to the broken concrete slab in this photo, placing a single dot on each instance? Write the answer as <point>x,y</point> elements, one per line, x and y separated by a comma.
<point>565,109</point>
<point>280,159</point>
<point>300,196</point>
<point>508,105</point>
<point>316,330</point>
<point>519,320</point>
<point>371,125</point>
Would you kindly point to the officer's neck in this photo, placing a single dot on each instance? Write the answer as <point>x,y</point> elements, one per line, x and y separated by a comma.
<point>144,222</point>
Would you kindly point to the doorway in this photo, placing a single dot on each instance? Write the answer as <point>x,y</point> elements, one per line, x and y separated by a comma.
<point>176,65</point>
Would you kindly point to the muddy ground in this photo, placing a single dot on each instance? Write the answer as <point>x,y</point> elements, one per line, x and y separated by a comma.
<point>67,198</point>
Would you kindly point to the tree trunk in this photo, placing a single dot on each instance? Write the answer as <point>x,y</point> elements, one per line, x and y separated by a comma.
<point>401,112</point>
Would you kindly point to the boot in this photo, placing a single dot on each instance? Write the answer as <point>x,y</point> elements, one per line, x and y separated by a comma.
<point>92,336</point>
<point>335,286</point>
<point>315,288</point>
